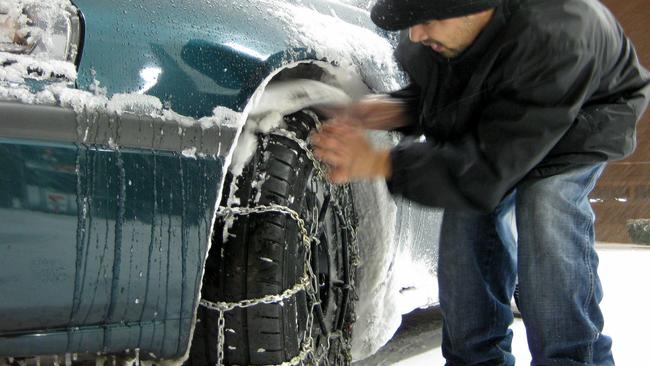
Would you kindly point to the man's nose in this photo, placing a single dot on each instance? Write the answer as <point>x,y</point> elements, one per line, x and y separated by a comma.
<point>417,33</point>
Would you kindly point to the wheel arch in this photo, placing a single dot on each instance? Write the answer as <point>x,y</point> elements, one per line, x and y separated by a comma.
<point>286,66</point>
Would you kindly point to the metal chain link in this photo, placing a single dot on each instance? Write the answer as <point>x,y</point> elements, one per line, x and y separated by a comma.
<point>302,285</point>
<point>222,338</point>
<point>307,283</point>
<point>320,167</point>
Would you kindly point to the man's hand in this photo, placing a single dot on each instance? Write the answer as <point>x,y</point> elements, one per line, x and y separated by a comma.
<point>376,112</point>
<point>348,153</point>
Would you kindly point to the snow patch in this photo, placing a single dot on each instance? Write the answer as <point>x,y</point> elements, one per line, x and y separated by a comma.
<point>34,23</point>
<point>417,286</point>
<point>16,68</point>
<point>246,147</point>
<point>112,144</point>
<point>20,93</point>
<point>269,122</point>
<point>278,100</point>
<point>61,75</point>
<point>391,279</point>
<point>353,47</point>
<point>363,55</point>
<point>222,116</point>
<point>190,152</point>
<point>18,31</point>
<point>378,315</point>
<point>134,103</point>
<point>363,4</point>
<point>64,95</point>
<point>287,97</point>
<point>78,100</point>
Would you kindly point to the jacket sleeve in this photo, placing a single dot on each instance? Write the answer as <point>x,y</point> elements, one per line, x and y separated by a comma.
<point>533,103</point>
<point>410,96</point>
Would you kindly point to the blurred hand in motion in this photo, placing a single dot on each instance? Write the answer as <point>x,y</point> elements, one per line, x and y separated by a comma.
<point>376,112</point>
<point>348,153</point>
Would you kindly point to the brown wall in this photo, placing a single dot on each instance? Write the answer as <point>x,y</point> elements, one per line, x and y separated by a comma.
<point>624,188</point>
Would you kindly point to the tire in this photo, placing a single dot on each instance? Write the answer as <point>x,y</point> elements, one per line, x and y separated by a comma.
<point>264,254</point>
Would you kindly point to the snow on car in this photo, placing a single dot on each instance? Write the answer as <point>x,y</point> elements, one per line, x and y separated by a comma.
<point>158,178</point>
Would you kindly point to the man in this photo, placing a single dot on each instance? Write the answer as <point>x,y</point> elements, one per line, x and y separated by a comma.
<point>521,103</point>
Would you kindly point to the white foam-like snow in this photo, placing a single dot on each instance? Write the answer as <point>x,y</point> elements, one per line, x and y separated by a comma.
<point>13,22</point>
<point>352,47</point>
<point>363,4</point>
<point>246,147</point>
<point>36,23</point>
<point>134,103</point>
<point>19,92</point>
<point>379,278</point>
<point>78,100</point>
<point>65,95</point>
<point>112,144</point>
<point>16,68</point>
<point>286,97</point>
<point>190,152</point>
<point>417,286</point>
<point>392,280</point>
<point>61,75</point>
<point>247,144</point>
<point>377,310</point>
<point>222,116</point>
<point>278,100</point>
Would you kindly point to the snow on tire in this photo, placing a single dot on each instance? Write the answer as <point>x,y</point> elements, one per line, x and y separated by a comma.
<point>265,254</point>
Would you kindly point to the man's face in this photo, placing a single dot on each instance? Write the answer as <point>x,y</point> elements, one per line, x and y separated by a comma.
<point>450,37</point>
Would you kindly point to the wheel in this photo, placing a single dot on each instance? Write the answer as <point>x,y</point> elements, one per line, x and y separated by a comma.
<point>289,242</point>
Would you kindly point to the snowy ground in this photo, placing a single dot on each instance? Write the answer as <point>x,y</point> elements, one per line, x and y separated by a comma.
<point>624,272</point>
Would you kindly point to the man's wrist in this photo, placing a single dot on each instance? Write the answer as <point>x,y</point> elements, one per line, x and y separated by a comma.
<point>384,166</point>
<point>387,113</point>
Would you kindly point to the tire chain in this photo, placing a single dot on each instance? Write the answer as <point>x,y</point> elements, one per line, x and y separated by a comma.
<point>309,280</point>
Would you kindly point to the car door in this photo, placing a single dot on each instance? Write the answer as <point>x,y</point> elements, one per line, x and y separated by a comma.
<point>105,224</point>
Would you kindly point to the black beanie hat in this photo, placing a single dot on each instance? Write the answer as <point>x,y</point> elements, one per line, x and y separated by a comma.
<point>395,15</point>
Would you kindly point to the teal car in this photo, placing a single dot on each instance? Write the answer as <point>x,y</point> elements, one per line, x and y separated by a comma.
<point>158,196</point>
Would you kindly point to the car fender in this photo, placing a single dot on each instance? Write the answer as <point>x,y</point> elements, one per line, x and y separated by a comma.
<point>198,55</point>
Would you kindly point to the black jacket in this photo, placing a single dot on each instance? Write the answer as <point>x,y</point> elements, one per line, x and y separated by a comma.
<point>547,85</point>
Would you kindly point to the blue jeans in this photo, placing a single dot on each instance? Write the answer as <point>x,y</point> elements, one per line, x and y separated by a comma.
<point>551,251</point>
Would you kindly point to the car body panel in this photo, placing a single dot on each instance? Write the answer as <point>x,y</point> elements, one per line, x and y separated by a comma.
<point>109,213</point>
<point>193,55</point>
<point>103,245</point>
